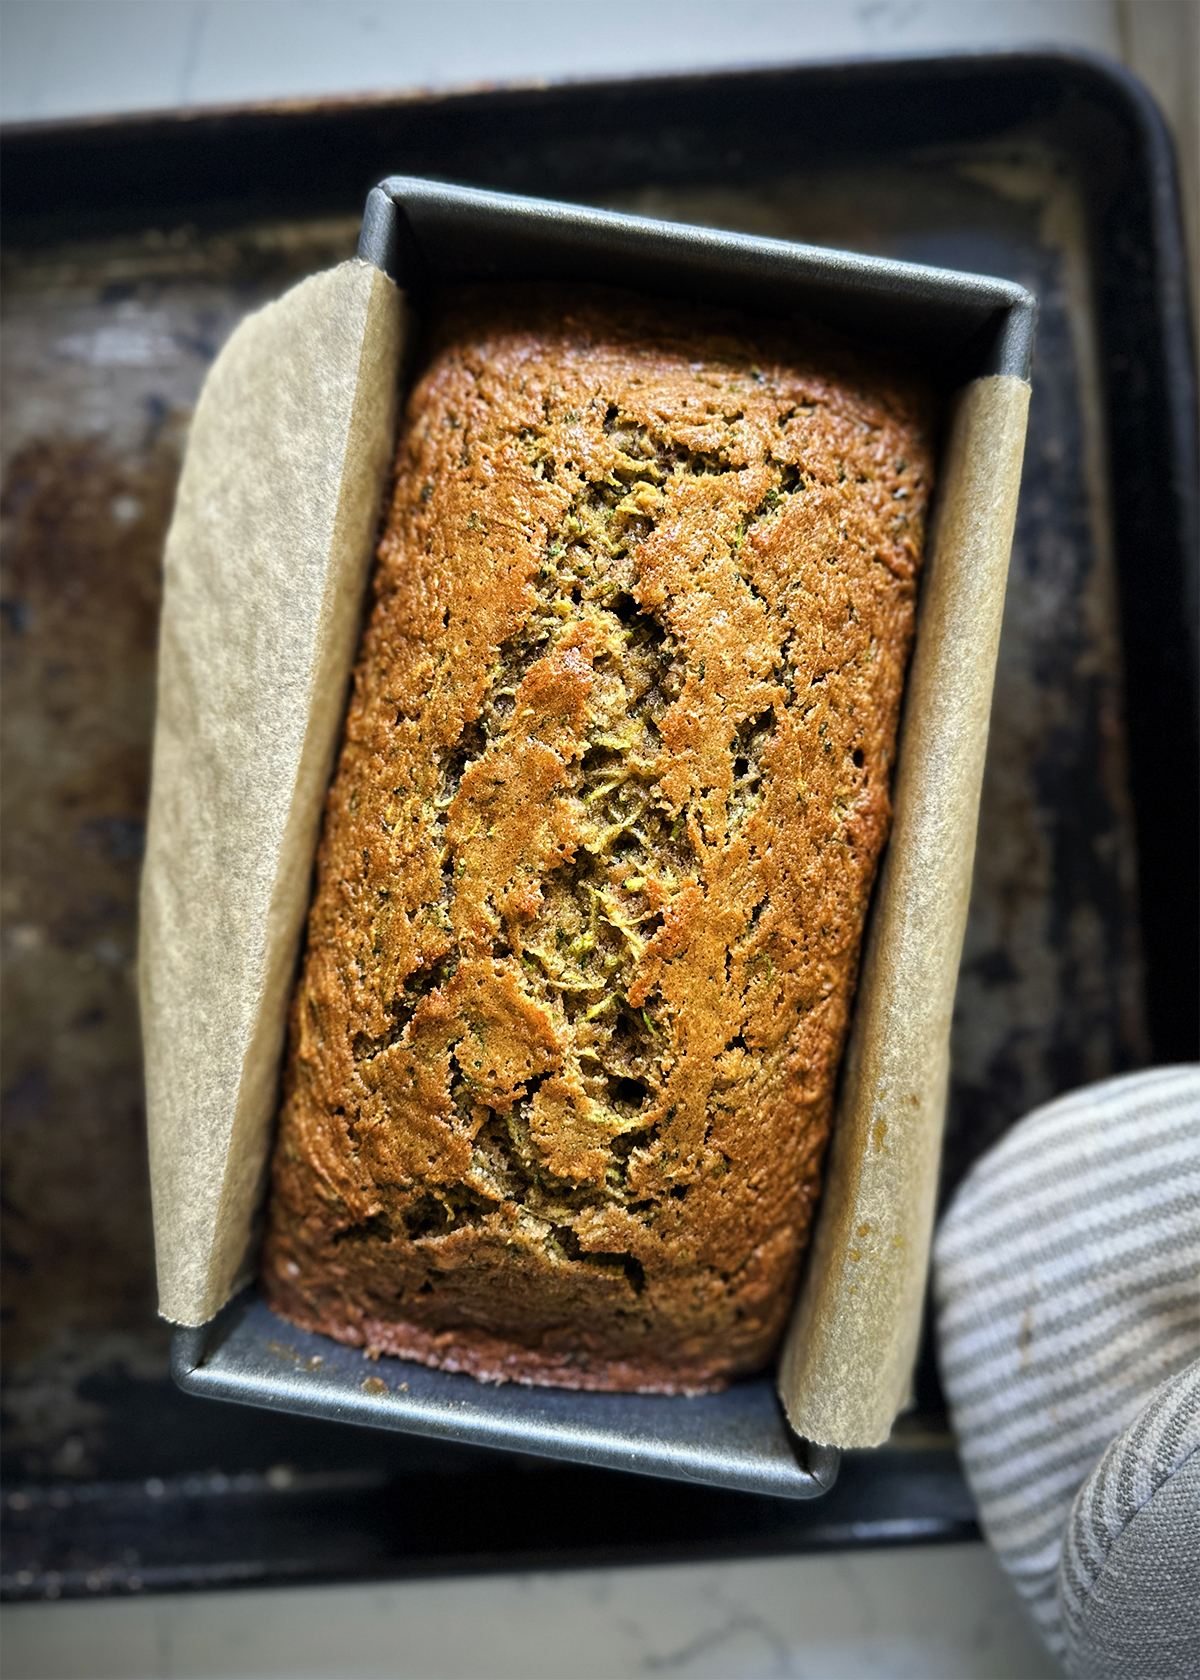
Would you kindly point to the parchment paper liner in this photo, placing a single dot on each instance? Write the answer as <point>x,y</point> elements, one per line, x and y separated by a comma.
<point>266,564</point>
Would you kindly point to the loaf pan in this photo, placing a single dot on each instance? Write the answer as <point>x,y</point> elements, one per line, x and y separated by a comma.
<point>955,327</point>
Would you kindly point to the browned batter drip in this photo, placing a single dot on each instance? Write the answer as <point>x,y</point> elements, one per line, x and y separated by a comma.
<point>598,850</point>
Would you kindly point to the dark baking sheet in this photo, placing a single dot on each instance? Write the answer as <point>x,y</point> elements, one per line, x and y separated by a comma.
<point>131,249</point>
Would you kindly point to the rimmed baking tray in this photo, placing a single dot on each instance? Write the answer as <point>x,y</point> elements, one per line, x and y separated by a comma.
<point>132,246</point>
<point>956,327</point>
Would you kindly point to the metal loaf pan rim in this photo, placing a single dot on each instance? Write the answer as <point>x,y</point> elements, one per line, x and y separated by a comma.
<point>420,232</point>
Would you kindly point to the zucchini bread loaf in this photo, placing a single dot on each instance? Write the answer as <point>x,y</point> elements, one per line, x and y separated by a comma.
<point>599,845</point>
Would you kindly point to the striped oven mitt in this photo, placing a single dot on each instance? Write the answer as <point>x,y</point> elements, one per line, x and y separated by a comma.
<point>1067,1286</point>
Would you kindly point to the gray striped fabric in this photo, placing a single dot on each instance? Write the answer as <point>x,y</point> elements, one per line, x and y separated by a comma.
<point>1067,1283</point>
<point>1129,1575</point>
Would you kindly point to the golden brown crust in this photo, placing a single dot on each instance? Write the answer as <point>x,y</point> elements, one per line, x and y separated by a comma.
<point>599,846</point>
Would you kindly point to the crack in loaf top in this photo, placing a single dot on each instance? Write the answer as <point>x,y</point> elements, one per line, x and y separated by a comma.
<point>597,854</point>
